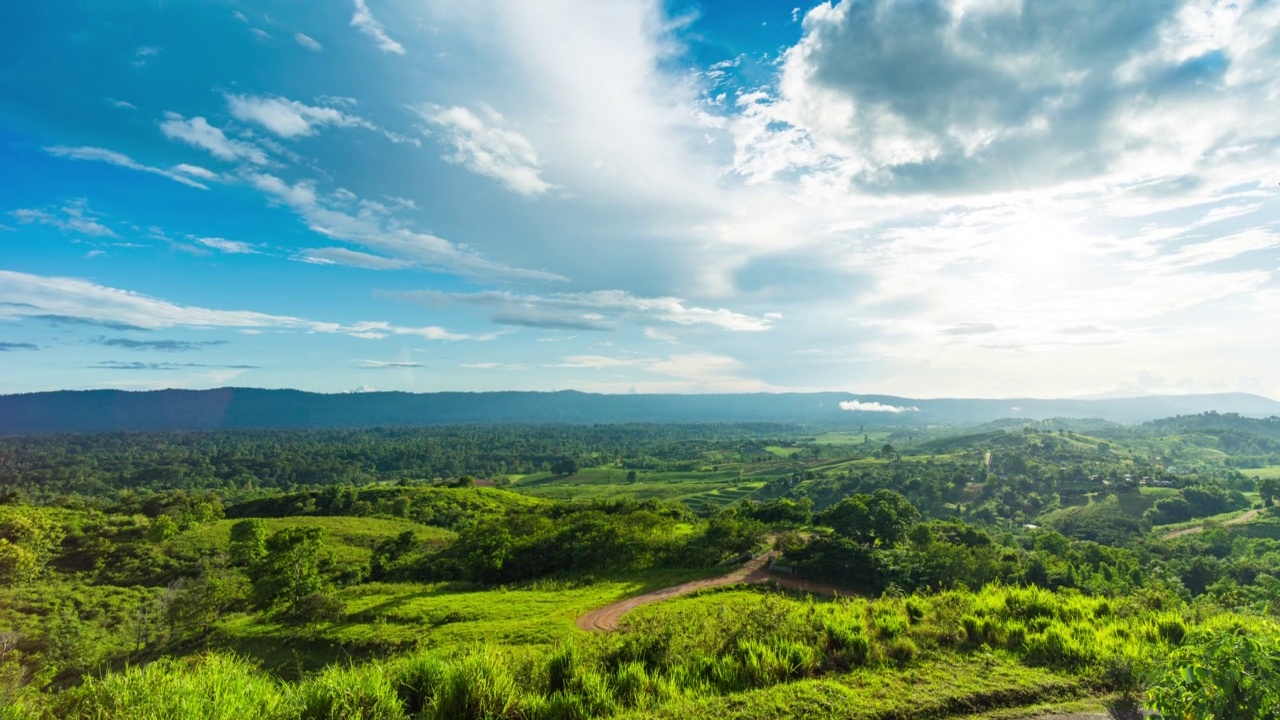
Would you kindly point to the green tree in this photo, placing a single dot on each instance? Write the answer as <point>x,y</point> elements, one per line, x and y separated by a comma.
<point>200,602</point>
<point>29,539</point>
<point>162,529</point>
<point>565,466</point>
<point>882,517</point>
<point>1269,489</point>
<point>291,569</point>
<point>248,541</point>
<point>1227,673</point>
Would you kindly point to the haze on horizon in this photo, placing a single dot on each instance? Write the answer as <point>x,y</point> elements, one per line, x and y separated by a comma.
<point>955,198</point>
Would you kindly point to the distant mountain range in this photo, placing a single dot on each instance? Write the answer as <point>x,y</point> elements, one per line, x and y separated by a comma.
<point>228,408</point>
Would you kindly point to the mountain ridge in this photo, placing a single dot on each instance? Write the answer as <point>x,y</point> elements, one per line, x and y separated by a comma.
<point>249,408</point>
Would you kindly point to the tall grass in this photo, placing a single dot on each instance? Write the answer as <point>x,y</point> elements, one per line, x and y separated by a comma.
<point>710,644</point>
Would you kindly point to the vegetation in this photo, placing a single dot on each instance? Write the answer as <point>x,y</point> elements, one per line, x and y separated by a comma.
<point>214,574</point>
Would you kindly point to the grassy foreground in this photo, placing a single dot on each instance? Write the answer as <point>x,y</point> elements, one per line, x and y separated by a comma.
<point>735,653</point>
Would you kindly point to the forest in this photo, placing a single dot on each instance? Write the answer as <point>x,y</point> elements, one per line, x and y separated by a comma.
<point>1016,566</point>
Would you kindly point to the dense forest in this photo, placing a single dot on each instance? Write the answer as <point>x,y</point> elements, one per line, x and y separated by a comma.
<point>437,572</point>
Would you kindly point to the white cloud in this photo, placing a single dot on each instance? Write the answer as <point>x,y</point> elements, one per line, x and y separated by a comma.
<point>694,372</point>
<point>308,42</point>
<point>72,217</point>
<point>859,406</point>
<point>26,296</point>
<point>388,364</point>
<point>485,147</point>
<point>199,133</point>
<point>195,171</point>
<point>288,118</point>
<point>177,174</point>
<point>352,258</point>
<point>384,235</point>
<point>364,21</point>
<point>231,247</point>
<point>589,310</point>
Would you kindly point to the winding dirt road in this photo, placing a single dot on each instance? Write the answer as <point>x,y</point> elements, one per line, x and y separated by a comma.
<point>753,571</point>
<point>1238,520</point>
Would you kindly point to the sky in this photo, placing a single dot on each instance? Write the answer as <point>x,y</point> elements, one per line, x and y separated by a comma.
<point>924,198</point>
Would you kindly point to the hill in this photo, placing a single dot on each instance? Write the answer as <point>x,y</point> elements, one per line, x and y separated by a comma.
<point>228,408</point>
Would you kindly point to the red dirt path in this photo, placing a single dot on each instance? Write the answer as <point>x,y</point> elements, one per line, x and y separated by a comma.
<point>753,571</point>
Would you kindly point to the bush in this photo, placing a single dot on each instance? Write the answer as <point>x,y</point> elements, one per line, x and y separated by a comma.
<point>1225,672</point>
<point>900,651</point>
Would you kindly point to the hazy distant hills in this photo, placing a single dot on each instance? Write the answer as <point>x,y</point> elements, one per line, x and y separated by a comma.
<point>225,408</point>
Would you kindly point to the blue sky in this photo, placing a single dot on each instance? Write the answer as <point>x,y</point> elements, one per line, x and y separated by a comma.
<point>935,198</point>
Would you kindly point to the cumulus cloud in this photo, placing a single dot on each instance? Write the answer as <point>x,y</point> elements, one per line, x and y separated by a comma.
<point>179,173</point>
<point>598,310</point>
<point>485,147</point>
<point>859,406</point>
<point>942,96</point>
<point>197,132</point>
<point>364,21</point>
<point>288,118</point>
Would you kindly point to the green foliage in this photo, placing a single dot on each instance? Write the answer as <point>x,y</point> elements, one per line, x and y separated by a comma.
<point>291,569</point>
<point>215,687</point>
<point>349,693</point>
<point>883,517</point>
<point>1223,672</point>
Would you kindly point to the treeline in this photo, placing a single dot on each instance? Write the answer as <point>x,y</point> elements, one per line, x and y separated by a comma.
<point>45,467</point>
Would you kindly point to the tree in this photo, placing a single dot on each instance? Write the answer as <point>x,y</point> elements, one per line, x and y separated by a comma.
<point>29,539</point>
<point>1269,489</point>
<point>565,466</point>
<point>248,541</point>
<point>291,568</point>
<point>202,601</point>
<point>882,517</point>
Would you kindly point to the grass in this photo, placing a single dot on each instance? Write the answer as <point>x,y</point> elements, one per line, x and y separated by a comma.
<point>1262,473</point>
<point>387,618</point>
<point>719,486</point>
<point>351,539</point>
<point>940,687</point>
<point>726,654</point>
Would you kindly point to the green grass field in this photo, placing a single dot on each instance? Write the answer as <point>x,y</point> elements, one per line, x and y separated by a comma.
<point>1263,472</point>
<point>388,618</point>
<point>351,539</point>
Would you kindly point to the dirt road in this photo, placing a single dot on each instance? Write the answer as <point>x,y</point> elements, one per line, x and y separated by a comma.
<point>1238,520</point>
<point>753,571</point>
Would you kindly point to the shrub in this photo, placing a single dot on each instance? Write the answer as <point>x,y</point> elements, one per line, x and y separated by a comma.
<point>1225,672</point>
<point>900,651</point>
